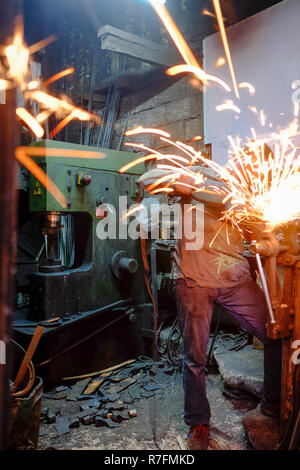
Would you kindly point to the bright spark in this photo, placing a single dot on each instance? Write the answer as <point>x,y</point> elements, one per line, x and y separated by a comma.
<point>228,105</point>
<point>226,45</point>
<point>248,86</point>
<point>30,121</point>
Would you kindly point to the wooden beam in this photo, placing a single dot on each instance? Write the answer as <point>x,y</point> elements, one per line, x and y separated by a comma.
<point>117,40</point>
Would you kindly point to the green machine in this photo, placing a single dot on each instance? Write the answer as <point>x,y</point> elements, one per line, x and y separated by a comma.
<point>87,285</point>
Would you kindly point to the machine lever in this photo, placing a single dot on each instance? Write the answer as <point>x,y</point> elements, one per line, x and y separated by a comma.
<point>265,287</point>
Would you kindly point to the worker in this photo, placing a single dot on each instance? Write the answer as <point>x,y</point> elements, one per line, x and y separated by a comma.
<point>215,273</point>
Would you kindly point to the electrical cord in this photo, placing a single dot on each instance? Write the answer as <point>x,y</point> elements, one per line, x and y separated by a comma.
<point>172,358</point>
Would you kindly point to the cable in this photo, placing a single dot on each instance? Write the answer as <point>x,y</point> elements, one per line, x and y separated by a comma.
<point>172,359</point>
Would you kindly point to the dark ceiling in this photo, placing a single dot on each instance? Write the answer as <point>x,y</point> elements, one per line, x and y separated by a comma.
<point>44,17</point>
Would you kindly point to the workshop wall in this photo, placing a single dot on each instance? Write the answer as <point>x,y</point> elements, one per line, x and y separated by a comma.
<point>176,107</point>
<point>177,110</point>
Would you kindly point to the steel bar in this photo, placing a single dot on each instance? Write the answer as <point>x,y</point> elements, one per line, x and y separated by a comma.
<point>28,356</point>
<point>265,287</point>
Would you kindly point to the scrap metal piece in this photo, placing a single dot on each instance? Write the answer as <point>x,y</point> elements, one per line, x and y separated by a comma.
<point>100,422</point>
<point>74,423</point>
<point>151,388</point>
<point>87,412</point>
<point>77,389</point>
<point>51,418</point>
<point>132,413</point>
<point>115,407</point>
<point>61,388</point>
<point>87,420</point>
<point>62,426</point>
<point>110,397</point>
<point>93,387</point>
<point>85,397</point>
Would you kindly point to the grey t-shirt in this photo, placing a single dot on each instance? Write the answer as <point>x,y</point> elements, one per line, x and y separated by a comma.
<point>219,263</point>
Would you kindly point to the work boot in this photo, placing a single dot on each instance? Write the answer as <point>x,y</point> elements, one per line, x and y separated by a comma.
<point>198,437</point>
<point>270,409</point>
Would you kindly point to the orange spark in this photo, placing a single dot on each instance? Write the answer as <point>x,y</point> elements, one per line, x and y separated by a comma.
<point>17,56</point>
<point>220,62</point>
<point>57,105</point>
<point>162,190</point>
<point>60,152</point>
<point>59,75</point>
<point>179,146</point>
<point>30,121</point>
<point>132,211</point>
<point>175,34</point>
<point>249,86</point>
<point>41,44</point>
<point>206,12</point>
<point>187,148</point>
<point>43,116</point>
<point>226,45</point>
<point>228,105</point>
<point>262,118</point>
<point>136,162</point>
<point>172,158</point>
<point>161,180</point>
<point>141,146</point>
<point>187,185</point>
<point>253,109</point>
<point>33,85</point>
<point>143,130</point>
<point>61,125</point>
<point>199,73</point>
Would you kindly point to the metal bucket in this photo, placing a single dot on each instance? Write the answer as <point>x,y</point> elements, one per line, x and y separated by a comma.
<point>24,418</point>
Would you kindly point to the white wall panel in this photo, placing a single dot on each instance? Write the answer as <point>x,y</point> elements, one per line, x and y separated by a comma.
<point>265,51</point>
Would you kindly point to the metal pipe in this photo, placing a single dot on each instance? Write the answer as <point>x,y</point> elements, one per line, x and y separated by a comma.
<point>265,287</point>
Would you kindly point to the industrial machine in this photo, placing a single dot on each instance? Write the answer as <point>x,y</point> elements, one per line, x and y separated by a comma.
<point>281,283</point>
<point>87,290</point>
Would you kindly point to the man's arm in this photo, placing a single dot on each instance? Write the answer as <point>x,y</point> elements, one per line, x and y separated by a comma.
<point>184,184</point>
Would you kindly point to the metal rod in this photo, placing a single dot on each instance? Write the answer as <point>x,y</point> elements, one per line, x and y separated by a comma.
<point>265,287</point>
<point>28,356</point>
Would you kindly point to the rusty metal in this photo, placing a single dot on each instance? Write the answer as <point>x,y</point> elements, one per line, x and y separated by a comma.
<point>284,302</point>
<point>24,418</point>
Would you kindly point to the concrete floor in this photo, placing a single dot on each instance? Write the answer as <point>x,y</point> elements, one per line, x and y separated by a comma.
<point>158,424</point>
